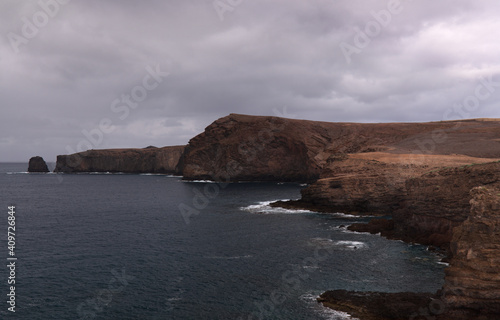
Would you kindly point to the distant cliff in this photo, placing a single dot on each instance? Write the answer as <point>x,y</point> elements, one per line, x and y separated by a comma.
<point>147,160</point>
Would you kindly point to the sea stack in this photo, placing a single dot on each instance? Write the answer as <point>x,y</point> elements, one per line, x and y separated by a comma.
<point>37,164</point>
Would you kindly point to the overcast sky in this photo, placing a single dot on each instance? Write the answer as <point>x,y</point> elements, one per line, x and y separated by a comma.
<point>128,73</point>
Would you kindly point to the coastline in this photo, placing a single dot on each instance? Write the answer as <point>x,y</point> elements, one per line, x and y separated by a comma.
<point>399,170</point>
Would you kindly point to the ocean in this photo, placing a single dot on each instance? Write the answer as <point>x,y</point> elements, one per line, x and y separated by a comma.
<point>123,246</point>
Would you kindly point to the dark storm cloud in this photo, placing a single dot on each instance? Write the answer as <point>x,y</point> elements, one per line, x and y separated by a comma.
<point>408,61</point>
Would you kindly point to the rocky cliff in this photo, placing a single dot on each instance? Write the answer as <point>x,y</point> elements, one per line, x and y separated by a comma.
<point>37,164</point>
<point>241,147</point>
<point>438,201</point>
<point>147,160</point>
<point>472,283</point>
<point>421,177</point>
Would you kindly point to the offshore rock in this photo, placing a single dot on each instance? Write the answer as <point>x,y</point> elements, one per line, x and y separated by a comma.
<point>147,160</point>
<point>37,164</point>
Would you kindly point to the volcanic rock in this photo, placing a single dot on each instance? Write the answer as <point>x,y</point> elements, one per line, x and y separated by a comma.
<point>257,148</point>
<point>472,281</point>
<point>147,160</point>
<point>378,305</point>
<point>37,164</point>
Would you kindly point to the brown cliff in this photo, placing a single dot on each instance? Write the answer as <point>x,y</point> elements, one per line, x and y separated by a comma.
<point>437,202</point>
<point>147,160</point>
<point>472,282</point>
<point>37,164</point>
<point>241,147</point>
<point>425,189</point>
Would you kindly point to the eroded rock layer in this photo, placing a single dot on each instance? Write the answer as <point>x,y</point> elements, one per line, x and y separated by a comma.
<point>472,281</point>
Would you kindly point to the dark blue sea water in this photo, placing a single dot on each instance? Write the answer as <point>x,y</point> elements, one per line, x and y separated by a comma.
<point>116,246</point>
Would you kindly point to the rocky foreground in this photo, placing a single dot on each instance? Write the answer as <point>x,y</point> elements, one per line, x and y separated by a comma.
<point>419,174</point>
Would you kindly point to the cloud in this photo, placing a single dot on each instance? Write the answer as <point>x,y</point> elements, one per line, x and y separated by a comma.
<point>254,57</point>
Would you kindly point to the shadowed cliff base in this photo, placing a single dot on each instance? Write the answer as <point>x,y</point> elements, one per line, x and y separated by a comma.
<point>472,282</point>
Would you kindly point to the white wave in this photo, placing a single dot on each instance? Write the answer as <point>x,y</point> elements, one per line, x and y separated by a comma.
<point>345,230</point>
<point>351,244</point>
<point>326,313</point>
<point>264,207</point>
<point>200,181</point>
<point>340,244</point>
<point>343,215</point>
<point>19,172</point>
<point>100,172</point>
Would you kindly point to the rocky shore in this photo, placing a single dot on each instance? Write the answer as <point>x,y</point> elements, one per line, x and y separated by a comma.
<point>420,175</point>
<point>472,282</point>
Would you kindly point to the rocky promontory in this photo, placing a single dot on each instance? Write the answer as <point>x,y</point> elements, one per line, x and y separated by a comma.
<point>261,148</point>
<point>37,164</point>
<point>147,160</point>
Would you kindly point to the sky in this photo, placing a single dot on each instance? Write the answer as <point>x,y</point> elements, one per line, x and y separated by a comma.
<point>96,74</point>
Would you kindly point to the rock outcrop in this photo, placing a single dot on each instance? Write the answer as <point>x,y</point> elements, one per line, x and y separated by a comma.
<point>380,305</point>
<point>37,164</point>
<point>147,160</point>
<point>425,190</point>
<point>437,202</point>
<point>238,147</point>
<point>472,282</point>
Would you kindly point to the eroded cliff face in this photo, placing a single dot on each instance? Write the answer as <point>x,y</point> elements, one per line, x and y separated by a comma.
<point>437,202</point>
<point>238,147</point>
<point>147,160</point>
<point>254,148</point>
<point>472,283</point>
